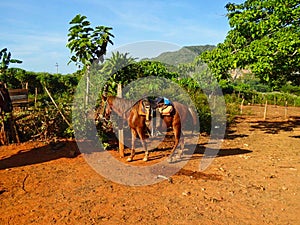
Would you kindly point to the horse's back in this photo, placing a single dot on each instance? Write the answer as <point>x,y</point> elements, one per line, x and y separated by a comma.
<point>181,109</point>
<point>186,114</point>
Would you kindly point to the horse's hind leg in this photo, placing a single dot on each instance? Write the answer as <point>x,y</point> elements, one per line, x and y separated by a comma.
<point>180,152</point>
<point>177,133</point>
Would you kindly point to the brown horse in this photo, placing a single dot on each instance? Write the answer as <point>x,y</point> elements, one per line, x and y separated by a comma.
<point>179,114</point>
<point>130,111</point>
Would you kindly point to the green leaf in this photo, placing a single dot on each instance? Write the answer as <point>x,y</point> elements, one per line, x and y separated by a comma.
<point>78,19</point>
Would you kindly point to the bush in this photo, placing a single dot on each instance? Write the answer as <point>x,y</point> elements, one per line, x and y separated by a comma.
<point>43,121</point>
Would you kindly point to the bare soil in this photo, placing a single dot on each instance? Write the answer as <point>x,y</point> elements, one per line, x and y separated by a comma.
<point>254,180</point>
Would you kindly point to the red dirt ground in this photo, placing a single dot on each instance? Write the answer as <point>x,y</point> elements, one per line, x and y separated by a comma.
<point>254,180</point>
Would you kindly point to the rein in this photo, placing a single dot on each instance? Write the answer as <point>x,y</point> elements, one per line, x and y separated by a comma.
<point>104,108</point>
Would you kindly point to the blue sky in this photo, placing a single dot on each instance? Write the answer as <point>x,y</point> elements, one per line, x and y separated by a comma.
<point>35,31</point>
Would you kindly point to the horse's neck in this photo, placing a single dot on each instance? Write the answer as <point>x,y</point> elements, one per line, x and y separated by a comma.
<point>118,110</point>
<point>121,106</point>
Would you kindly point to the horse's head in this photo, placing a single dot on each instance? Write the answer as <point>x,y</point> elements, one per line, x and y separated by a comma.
<point>107,108</point>
<point>5,101</point>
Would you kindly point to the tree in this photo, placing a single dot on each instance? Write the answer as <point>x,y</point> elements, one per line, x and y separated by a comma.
<point>118,69</point>
<point>265,38</point>
<point>5,58</point>
<point>88,44</point>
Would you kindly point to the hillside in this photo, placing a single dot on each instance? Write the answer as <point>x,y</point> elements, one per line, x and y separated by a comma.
<point>184,55</point>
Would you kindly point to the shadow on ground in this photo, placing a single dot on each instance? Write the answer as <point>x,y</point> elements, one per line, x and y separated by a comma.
<point>53,151</point>
<point>274,127</point>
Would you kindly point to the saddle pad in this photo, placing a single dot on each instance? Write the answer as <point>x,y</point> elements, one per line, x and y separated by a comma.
<point>166,110</point>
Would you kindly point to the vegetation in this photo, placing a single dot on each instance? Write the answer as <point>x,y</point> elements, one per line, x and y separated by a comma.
<point>5,58</point>
<point>265,38</point>
<point>88,44</point>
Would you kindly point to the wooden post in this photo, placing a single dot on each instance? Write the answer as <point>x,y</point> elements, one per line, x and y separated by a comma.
<point>3,136</point>
<point>87,89</point>
<point>120,131</point>
<point>8,130</point>
<point>242,104</point>
<point>13,129</point>
<point>285,110</point>
<point>265,112</point>
<point>35,96</point>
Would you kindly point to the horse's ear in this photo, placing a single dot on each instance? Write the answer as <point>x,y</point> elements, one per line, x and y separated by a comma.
<point>104,93</point>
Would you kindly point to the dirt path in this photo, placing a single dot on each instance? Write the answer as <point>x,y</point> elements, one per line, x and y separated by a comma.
<point>254,180</point>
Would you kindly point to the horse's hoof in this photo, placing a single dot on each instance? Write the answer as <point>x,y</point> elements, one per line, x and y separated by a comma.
<point>129,159</point>
<point>145,159</point>
<point>171,160</point>
<point>179,154</point>
<point>178,157</point>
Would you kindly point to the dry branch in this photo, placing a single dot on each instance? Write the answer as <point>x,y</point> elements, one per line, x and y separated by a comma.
<point>60,112</point>
<point>23,184</point>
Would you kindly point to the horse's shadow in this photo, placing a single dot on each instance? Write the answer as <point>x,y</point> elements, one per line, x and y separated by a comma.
<point>195,150</point>
<point>192,152</point>
<point>52,151</point>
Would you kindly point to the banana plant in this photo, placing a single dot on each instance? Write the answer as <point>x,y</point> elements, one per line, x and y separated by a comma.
<point>5,58</point>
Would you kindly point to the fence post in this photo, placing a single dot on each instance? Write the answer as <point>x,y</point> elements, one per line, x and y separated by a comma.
<point>265,112</point>
<point>120,125</point>
<point>285,110</point>
<point>242,104</point>
<point>35,96</point>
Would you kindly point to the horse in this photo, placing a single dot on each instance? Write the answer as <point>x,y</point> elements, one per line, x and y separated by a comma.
<point>130,111</point>
<point>174,120</point>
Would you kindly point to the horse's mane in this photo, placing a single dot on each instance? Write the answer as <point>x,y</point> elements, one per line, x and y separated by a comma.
<point>121,105</point>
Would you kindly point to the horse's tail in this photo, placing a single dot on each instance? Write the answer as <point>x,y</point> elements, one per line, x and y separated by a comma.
<point>194,117</point>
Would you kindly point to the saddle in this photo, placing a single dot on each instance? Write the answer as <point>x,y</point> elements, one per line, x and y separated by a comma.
<point>165,110</point>
<point>148,106</point>
<point>144,109</point>
<point>152,108</point>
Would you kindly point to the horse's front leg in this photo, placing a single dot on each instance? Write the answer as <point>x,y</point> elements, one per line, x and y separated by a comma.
<point>142,137</point>
<point>133,137</point>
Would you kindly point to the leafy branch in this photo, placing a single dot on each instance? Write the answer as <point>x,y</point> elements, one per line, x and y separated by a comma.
<point>86,43</point>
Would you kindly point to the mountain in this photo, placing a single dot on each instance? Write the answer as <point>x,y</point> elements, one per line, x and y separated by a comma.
<point>186,54</point>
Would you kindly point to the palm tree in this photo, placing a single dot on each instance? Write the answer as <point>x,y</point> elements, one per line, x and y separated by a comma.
<point>117,67</point>
<point>5,58</point>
